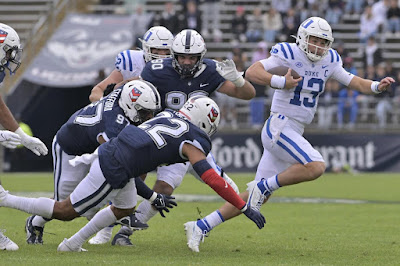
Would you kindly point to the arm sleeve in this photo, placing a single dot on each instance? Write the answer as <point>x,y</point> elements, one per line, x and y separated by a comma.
<point>341,75</point>
<point>142,189</point>
<point>273,61</point>
<point>218,184</point>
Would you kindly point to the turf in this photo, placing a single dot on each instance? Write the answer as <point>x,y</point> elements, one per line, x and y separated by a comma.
<point>295,234</point>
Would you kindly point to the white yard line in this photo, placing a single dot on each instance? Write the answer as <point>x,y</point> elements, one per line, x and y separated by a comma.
<point>216,198</point>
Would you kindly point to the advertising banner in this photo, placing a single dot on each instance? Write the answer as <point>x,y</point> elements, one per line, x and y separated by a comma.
<point>373,153</point>
<point>81,46</point>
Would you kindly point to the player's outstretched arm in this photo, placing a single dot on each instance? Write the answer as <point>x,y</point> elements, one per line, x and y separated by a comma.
<point>98,90</point>
<point>7,120</point>
<point>198,160</point>
<point>10,139</point>
<point>367,86</point>
<point>235,86</point>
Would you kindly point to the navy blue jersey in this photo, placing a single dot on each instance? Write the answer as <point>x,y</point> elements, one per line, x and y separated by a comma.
<point>2,76</point>
<point>105,117</point>
<point>175,91</point>
<point>139,150</point>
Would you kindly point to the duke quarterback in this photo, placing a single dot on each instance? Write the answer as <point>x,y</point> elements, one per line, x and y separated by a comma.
<point>288,158</point>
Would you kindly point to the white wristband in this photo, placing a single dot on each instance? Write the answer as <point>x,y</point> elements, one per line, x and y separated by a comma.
<point>244,208</point>
<point>278,82</point>
<point>153,197</point>
<point>374,87</point>
<point>239,82</point>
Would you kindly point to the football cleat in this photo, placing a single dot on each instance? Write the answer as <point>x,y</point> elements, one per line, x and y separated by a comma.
<point>6,243</point>
<point>133,223</point>
<point>194,235</point>
<point>121,240</point>
<point>102,237</point>
<point>65,247</point>
<point>34,234</point>
<point>257,194</point>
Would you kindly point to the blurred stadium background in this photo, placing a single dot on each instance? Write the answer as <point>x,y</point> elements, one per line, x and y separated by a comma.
<point>64,58</point>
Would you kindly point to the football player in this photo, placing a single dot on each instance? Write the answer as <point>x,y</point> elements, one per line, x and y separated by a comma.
<point>129,64</point>
<point>184,75</point>
<point>188,73</point>
<point>156,44</point>
<point>170,137</point>
<point>10,60</point>
<point>288,158</point>
<point>85,130</point>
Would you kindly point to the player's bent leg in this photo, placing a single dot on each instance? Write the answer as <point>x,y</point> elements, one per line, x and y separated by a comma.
<point>103,236</point>
<point>124,201</point>
<point>298,173</point>
<point>64,210</point>
<point>66,179</point>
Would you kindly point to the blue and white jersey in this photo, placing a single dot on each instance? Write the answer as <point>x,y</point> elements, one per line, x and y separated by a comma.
<point>174,91</point>
<point>300,103</point>
<point>139,150</point>
<point>104,118</point>
<point>130,63</point>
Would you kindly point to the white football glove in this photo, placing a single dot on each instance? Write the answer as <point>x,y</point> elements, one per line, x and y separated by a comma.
<point>9,139</point>
<point>32,143</point>
<point>227,69</point>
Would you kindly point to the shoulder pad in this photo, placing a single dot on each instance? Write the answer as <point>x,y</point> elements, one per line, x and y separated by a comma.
<point>283,50</point>
<point>334,57</point>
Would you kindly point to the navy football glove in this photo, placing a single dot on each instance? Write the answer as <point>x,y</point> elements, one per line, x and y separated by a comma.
<point>255,216</point>
<point>109,89</point>
<point>163,202</point>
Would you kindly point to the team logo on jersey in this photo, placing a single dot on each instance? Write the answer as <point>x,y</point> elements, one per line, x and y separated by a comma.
<point>274,50</point>
<point>213,114</point>
<point>3,36</point>
<point>299,64</point>
<point>134,94</point>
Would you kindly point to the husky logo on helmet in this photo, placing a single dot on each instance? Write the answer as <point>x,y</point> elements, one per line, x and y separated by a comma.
<point>213,114</point>
<point>140,100</point>
<point>134,94</point>
<point>10,49</point>
<point>3,35</point>
<point>203,112</point>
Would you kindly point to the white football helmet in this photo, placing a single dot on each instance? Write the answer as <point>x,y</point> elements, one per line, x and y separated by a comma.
<point>156,37</point>
<point>10,49</point>
<point>202,112</point>
<point>139,100</point>
<point>188,42</point>
<point>318,27</point>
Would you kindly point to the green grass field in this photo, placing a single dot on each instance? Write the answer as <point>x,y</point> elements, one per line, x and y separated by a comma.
<point>318,232</point>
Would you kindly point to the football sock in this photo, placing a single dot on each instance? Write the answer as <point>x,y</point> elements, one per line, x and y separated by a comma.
<point>39,206</point>
<point>39,221</point>
<point>267,186</point>
<point>210,221</point>
<point>102,219</point>
<point>145,212</point>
